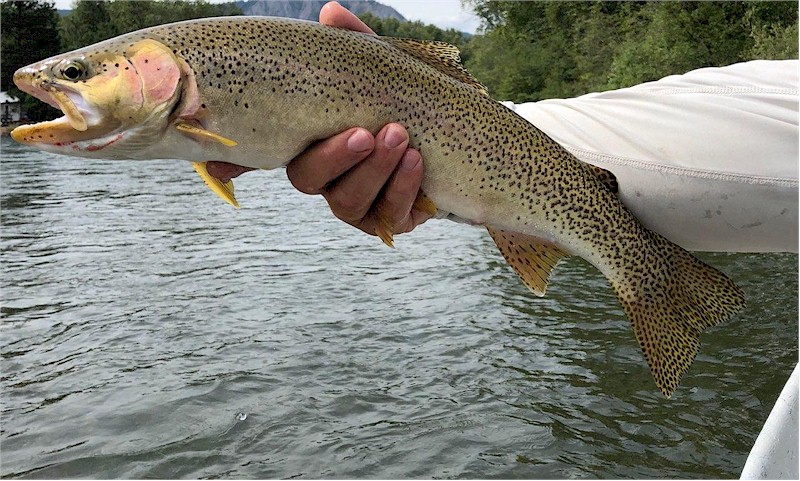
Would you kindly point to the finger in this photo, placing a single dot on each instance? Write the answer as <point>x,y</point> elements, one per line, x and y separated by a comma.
<point>417,217</point>
<point>336,15</point>
<point>395,205</point>
<point>319,165</point>
<point>225,171</point>
<point>352,195</point>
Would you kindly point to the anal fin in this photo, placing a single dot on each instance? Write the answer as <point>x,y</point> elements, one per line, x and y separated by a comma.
<point>532,258</point>
<point>224,190</point>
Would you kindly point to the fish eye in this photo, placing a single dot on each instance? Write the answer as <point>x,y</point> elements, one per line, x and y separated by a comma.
<point>74,70</point>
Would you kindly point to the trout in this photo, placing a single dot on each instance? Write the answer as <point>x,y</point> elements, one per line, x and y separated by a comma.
<point>258,91</point>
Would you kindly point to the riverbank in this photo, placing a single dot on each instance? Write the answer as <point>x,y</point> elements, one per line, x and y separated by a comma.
<point>5,130</point>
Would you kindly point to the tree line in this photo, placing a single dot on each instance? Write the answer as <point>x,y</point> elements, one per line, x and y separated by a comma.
<point>525,51</point>
<point>536,50</point>
<point>530,51</point>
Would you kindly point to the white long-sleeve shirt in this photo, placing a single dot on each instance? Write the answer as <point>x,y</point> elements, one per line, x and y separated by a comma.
<point>709,159</point>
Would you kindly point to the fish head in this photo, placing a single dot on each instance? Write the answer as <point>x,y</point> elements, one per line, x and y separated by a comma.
<point>117,97</point>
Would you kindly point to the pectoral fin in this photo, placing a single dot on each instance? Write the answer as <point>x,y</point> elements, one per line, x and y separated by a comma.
<point>202,133</point>
<point>224,190</point>
<point>533,259</point>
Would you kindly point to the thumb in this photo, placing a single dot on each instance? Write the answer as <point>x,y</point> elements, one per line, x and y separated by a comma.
<point>336,15</point>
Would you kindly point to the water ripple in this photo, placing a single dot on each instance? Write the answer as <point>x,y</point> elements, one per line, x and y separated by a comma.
<point>151,331</point>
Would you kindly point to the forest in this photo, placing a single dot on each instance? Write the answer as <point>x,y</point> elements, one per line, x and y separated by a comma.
<point>525,51</point>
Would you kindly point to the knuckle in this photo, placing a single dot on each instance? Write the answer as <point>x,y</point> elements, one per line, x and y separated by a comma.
<point>347,208</point>
<point>300,182</point>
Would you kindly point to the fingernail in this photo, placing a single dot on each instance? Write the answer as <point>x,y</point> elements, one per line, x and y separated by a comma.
<point>394,136</point>
<point>410,160</point>
<point>359,141</point>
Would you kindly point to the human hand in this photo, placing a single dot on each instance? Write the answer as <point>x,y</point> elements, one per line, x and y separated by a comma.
<point>369,182</point>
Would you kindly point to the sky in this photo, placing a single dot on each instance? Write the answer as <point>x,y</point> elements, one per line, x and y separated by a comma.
<point>442,13</point>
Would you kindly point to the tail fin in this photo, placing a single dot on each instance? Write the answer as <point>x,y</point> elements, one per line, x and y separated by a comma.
<point>673,300</point>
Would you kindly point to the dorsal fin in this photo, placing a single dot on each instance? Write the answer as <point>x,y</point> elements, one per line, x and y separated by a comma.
<point>439,55</point>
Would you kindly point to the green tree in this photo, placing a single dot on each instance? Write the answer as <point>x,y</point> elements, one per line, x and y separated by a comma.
<point>392,27</point>
<point>29,34</point>
<point>526,52</point>
<point>676,37</point>
<point>87,23</point>
<point>543,49</point>
<point>773,29</point>
<point>92,21</point>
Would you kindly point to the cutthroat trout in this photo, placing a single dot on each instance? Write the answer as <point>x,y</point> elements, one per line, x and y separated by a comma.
<point>257,91</point>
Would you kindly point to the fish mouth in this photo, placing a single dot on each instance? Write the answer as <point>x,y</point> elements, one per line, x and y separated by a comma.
<point>80,121</point>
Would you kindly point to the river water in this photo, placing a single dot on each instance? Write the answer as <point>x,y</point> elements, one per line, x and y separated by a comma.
<point>151,331</point>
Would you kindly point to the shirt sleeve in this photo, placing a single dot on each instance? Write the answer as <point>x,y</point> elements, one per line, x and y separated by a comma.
<point>709,159</point>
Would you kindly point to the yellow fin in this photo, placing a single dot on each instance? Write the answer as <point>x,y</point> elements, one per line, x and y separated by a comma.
<point>532,258</point>
<point>439,55</point>
<point>423,203</point>
<point>223,190</point>
<point>190,129</point>
<point>384,230</point>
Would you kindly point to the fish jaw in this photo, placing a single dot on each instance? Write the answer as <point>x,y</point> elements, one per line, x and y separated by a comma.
<point>82,120</point>
<point>59,137</point>
<point>119,110</point>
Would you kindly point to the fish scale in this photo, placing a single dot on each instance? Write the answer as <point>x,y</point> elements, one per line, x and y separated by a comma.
<point>257,91</point>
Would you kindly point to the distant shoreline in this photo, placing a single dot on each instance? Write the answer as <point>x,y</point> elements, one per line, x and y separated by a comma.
<point>5,130</point>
